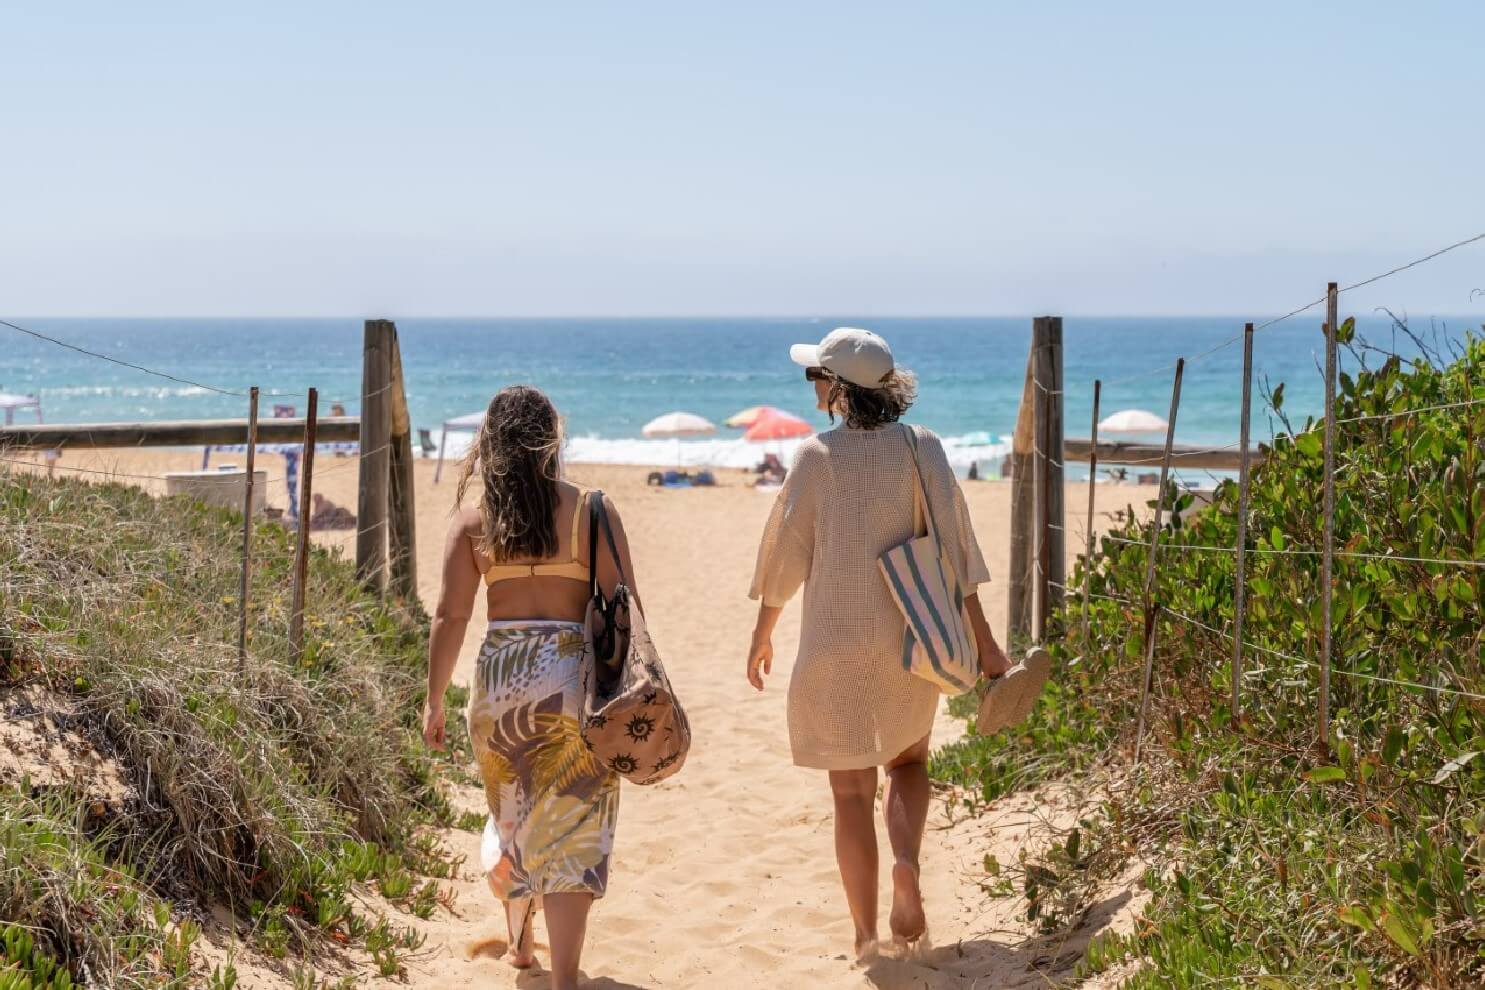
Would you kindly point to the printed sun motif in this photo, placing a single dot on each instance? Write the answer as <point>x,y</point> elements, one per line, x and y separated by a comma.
<point>623,764</point>
<point>640,727</point>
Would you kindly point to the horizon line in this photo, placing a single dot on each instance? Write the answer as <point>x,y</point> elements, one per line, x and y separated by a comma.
<point>685,316</point>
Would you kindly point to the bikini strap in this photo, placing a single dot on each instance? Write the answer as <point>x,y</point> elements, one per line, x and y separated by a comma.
<point>577,519</point>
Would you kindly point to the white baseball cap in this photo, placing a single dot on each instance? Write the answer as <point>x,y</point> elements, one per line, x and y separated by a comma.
<point>857,356</point>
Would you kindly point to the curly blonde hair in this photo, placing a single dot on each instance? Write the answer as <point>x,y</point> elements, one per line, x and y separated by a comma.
<point>517,455</point>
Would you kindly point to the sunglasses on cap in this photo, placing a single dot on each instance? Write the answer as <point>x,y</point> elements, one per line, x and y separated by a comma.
<point>817,375</point>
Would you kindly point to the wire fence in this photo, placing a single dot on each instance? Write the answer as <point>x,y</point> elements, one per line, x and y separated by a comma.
<point>1161,539</point>
<point>386,398</point>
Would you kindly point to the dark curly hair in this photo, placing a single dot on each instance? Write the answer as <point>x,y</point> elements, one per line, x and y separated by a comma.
<point>870,408</point>
<point>517,456</point>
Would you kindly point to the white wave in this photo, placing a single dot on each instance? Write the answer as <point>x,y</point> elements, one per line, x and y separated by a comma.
<point>122,391</point>
<point>734,452</point>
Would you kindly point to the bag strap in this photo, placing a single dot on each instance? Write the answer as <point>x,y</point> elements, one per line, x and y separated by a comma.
<point>613,546</point>
<point>595,506</point>
<point>920,493</point>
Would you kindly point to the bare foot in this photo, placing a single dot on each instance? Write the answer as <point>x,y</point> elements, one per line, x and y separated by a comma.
<point>867,948</point>
<point>907,920</point>
<point>520,954</point>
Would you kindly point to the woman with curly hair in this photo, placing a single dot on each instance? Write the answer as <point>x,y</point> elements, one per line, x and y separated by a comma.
<point>553,805</point>
<point>853,706</point>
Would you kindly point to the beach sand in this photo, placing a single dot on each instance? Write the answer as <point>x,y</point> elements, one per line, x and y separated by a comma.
<point>725,875</point>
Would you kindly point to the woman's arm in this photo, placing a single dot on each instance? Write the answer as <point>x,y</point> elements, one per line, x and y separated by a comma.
<point>461,580</point>
<point>993,661</point>
<point>760,653</point>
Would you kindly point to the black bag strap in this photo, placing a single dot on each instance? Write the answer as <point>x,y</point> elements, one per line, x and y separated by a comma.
<point>595,506</point>
<point>613,546</point>
<point>598,519</point>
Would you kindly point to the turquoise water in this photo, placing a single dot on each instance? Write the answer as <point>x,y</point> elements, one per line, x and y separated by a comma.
<point>610,376</point>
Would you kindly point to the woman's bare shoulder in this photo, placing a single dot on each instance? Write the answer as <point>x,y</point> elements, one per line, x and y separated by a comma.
<point>466,522</point>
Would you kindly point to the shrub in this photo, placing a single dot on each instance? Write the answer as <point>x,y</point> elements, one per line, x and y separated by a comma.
<point>271,785</point>
<point>1299,864</point>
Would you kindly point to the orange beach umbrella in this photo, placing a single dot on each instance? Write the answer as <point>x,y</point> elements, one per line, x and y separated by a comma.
<point>744,417</point>
<point>775,424</point>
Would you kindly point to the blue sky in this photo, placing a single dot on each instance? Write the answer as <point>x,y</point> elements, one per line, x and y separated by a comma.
<point>479,158</point>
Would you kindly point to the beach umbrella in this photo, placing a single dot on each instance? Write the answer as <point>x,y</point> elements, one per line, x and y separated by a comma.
<point>10,403</point>
<point>677,425</point>
<point>744,417</point>
<point>1132,421</point>
<point>468,423</point>
<point>775,424</point>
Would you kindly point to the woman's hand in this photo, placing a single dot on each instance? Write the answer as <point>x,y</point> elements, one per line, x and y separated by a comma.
<point>993,661</point>
<point>760,655</point>
<point>433,726</point>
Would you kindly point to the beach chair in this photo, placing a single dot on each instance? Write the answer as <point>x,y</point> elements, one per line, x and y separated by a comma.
<point>426,444</point>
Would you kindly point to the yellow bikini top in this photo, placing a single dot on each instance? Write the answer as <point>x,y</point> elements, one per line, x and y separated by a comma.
<point>574,569</point>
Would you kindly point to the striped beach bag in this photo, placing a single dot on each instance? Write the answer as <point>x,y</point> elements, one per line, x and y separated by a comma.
<point>937,644</point>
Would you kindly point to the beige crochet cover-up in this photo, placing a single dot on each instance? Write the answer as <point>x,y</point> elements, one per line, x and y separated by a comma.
<point>848,499</point>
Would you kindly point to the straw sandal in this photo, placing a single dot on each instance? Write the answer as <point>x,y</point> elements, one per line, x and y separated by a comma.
<point>1011,696</point>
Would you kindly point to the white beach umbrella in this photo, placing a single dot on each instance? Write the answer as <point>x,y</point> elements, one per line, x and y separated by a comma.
<point>10,403</point>
<point>677,425</point>
<point>1132,421</point>
<point>469,423</point>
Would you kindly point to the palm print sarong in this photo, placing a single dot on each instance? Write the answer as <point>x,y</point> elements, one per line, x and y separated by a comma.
<point>553,806</point>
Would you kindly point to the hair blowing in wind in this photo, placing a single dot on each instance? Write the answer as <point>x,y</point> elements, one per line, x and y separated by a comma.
<point>516,455</point>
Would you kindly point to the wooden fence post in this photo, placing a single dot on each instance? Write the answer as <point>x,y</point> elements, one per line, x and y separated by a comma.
<point>247,529</point>
<point>1023,499</point>
<point>1240,582</point>
<point>1092,489</point>
<point>1035,499</point>
<point>1151,610</point>
<point>401,534</point>
<point>301,548</point>
<point>376,437</point>
<point>1327,560</point>
<point>1052,560</point>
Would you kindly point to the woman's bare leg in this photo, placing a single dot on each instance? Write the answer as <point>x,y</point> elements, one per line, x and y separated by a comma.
<point>855,794</point>
<point>905,807</point>
<point>567,925</point>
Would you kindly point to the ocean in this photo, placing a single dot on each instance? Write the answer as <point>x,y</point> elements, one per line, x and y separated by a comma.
<point>609,377</point>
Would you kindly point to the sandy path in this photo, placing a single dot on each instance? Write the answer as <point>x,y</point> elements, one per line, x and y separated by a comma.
<point>725,876</point>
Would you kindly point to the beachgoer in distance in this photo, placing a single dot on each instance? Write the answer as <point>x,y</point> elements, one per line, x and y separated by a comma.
<point>852,707</point>
<point>553,805</point>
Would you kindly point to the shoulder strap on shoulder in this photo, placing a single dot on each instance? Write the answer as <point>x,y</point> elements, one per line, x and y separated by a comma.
<point>577,520</point>
<point>911,435</point>
<point>595,506</point>
<point>614,546</point>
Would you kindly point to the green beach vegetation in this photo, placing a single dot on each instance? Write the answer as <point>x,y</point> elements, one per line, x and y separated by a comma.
<point>1273,861</point>
<point>277,788</point>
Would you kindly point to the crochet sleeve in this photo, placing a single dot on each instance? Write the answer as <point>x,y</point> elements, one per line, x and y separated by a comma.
<point>788,544</point>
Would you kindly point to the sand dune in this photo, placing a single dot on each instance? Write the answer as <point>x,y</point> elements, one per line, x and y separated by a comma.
<point>724,876</point>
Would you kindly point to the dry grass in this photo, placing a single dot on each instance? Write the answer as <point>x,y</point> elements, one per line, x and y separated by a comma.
<point>272,785</point>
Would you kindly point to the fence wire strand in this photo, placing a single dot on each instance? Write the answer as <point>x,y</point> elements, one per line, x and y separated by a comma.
<point>1315,663</point>
<point>122,363</point>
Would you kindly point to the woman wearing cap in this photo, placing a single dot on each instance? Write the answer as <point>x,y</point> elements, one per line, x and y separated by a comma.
<point>852,707</point>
